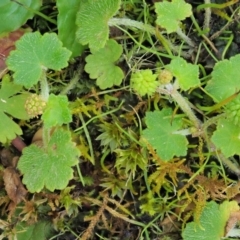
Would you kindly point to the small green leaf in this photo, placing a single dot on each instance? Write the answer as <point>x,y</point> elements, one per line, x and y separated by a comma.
<point>34,54</point>
<point>227,137</point>
<point>14,15</point>
<point>161,133</point>
<point>225,79</point>
<point>66,21</point>
<point>169,14</point>
<point>92,20</point>
<point>11,104</point>
<point>49,166</point>
<point>186,73</point>
<point>41,230</point>
<point>100,65</point>
<point>57,111</point>
<point>212,222</point>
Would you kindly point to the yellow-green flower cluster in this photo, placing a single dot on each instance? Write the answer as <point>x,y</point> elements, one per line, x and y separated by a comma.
<point>34,105</point>
<point>144,82</point>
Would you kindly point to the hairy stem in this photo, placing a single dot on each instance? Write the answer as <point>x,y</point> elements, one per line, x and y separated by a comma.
<point>184,37</point>
<point>132,23</point>
<point>183,104</point>
<point>207,16</point>
<point>169,89</point>
<point>44,86</point>
<point>73,81</point>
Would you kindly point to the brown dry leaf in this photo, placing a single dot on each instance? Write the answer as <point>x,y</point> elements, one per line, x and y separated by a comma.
<point>233,219</point>
<point>13,185</point>
<point>7,43</point>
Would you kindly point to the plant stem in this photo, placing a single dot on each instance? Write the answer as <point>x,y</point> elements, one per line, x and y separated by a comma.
<point>88,138</point>
<point>132,23</point>
<point>44,86</point>
<point>150,29</point>
<point>183,104</point>
<point>207,16</point>
<point>80,175</point>
<point>170,89</point>
<point>166,44</point>
<point>73,81</point>
<point>183,36</point>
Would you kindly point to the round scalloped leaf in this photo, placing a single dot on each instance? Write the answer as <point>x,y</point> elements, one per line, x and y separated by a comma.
<point>161,133</point>
<point>34,54</point>
<point>186,73</point>
<point>212,222</point>
<point>169,14</point>
<point>11,103</point>
<point>100,65</point>
<point>14,15</point>
<point>49,166</point>
<point>66,21</point>
<point>57,111</point>
<point>41,230</point>
<point>92,21</point>
<point>225,79</point>
<point>227,137</point>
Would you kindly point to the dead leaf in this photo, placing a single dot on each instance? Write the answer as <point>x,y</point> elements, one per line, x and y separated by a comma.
<point>7,43</point>
<point>13,185</point>
<point>6,157</point>
<point>233,219</point>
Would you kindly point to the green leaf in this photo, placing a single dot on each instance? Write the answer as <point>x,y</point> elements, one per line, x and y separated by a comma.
<point>100,65</point>
<point>57,111</point>
<point>66,21</point>
<point>186,73</point>
<point>162,134</point>
<point>227,132</point>
<point>14,15</point>
<point>41,230</point>
<point>225,79</point>
<point>49,166</point>
<point>169,14</point>
<point>34,54</point>
<point>212,222</point>
<point>11,104</point>
<point>92,20</point>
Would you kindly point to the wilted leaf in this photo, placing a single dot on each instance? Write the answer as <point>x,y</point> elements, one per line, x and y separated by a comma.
<point>13,185</point>
<point>7,43</point>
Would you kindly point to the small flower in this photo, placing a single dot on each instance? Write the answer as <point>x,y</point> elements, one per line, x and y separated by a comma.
<point>165,77</point>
